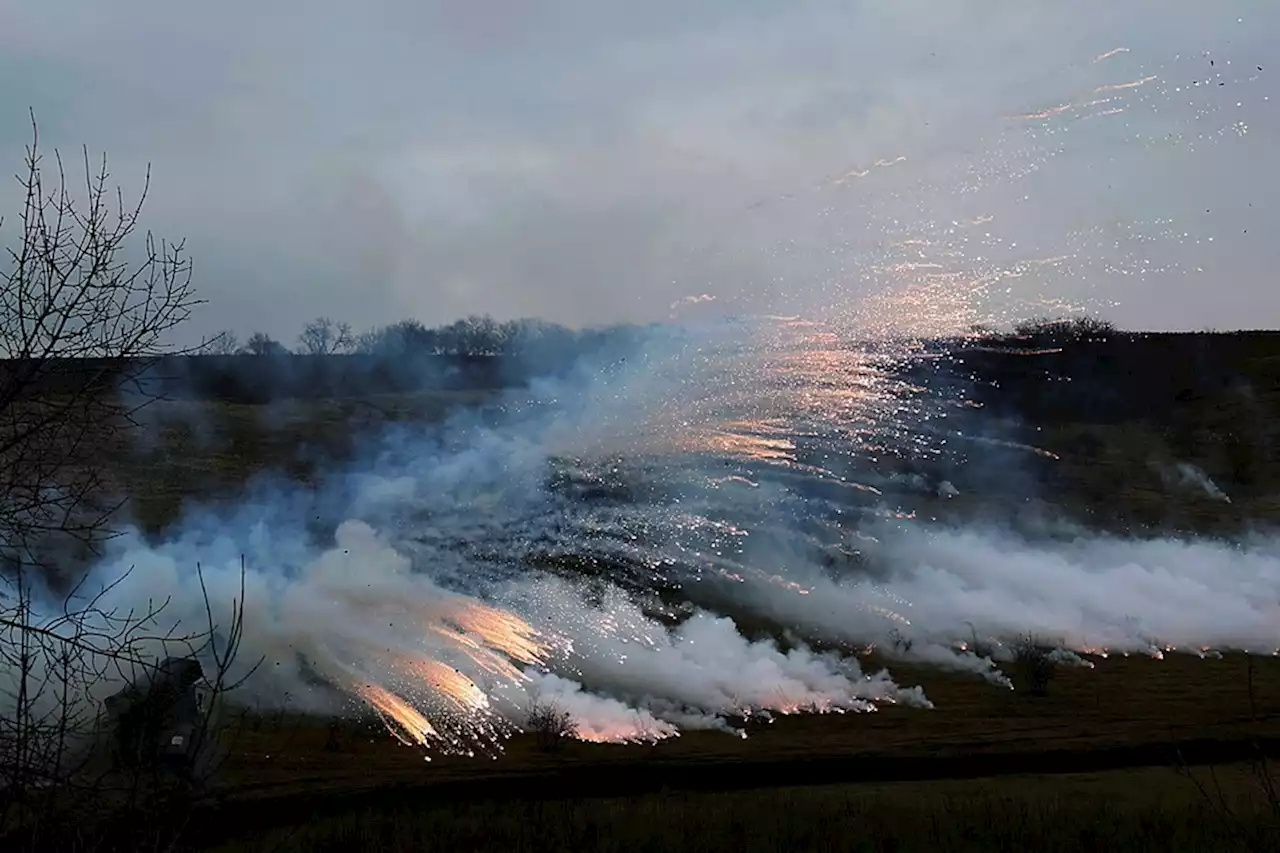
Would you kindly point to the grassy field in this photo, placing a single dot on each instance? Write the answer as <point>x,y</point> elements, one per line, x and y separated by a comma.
<point>1096,764</point>
<point>207,451</point>
<point>1148,810</point>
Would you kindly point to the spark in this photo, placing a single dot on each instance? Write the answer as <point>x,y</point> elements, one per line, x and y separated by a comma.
<point>1110,53</point>
<point>1132,84</point>
<point>405,722</point>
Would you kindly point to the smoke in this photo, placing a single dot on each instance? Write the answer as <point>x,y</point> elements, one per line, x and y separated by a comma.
<point>1186,476</point>
<point>602,719</point>
<point>709,523</point>
<point>599,541</point>
<point>703,665</point>
<point>940,591</point>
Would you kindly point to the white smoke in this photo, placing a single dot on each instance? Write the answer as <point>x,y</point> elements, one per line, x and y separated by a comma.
<point>1184,475</point>
<point>600,718</point>
<point>703,665</point>
<point>406,611</point>
<point>938,588</point>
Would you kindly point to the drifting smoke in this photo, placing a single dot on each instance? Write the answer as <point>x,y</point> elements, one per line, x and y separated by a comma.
<point>1188,477</point>
<point>940,590</point>
<point>599,540</point>
<point>429,607</point>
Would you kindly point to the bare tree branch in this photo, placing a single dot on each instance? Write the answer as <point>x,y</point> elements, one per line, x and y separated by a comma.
<point>86,305</point>
<point>324,336</point>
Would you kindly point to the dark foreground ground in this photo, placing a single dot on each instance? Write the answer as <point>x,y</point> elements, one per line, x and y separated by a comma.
<point>1138,732</point>
<point>1138,754</point>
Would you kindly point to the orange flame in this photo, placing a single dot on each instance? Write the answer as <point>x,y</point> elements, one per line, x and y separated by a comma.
<point>404,721</point>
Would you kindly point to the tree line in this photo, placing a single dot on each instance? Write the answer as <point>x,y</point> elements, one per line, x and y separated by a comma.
<point>476,335</point>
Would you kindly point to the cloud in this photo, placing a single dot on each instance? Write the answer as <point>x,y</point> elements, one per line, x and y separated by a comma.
<point>594,162</point>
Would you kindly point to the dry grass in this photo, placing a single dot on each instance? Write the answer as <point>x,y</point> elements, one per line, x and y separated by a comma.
<point>1153,809</point>
<point>1133,703</point>
<point>208,451</point>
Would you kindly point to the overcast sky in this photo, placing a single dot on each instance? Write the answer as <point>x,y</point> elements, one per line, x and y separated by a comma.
<point>600,160</point>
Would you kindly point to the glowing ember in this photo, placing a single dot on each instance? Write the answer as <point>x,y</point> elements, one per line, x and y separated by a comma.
<point>404,721</point>
<point>501,630</point>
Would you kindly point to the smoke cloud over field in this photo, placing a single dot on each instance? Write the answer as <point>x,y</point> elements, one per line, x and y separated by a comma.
<point>621,544</point>
<point>720,519</point>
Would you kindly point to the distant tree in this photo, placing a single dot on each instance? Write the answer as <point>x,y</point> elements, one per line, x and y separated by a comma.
<point>323,336</point>
<point>403,338</point>
<point>367,342</point>
<point>1065,329</point>
<point>475,335</point>
<point>260,343</point>
<point>223,343</point>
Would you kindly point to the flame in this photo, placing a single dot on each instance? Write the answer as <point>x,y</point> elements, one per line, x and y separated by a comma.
<point>461,691</point>
<point>503,631</point>
<point>623,733</point>
<point>404,721</point>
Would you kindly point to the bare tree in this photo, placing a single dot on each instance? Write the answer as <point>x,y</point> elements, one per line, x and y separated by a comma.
<point>260,343</point>
<point>84,310</point>
<point>407,337</point>
<point>223,343</point>
<point>323,336</point>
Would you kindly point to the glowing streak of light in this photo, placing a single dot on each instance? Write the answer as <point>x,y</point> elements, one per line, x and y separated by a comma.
<point>487,659</point>
<point>458,688</point>
<point>859,173</point>
<point>405,722</point>
<point>502,631</point>
<point>1132,84</point>
<point>1110,53</point>
<point>623,734</point>
<point>1111,112</point>
<point>1047,113</point>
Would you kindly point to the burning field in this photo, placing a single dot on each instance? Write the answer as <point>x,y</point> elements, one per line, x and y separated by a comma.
<point>650,566</point>
<point>868,528</point>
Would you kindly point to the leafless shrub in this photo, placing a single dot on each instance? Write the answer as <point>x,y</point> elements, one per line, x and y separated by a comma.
<point>550,725</point>
<point>1267,785</point>
<point>1034,664</point>
<point>262,344</point>
<point>1066,329</point>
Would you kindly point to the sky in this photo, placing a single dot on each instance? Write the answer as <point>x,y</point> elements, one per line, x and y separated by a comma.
<point>594,162</point>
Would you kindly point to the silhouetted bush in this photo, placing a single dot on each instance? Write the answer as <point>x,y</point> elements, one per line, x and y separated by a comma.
<point>550,725</point>
<point>1034,664</point>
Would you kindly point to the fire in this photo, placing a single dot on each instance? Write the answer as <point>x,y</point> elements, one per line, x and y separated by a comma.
<point>503,631</point>
<point>456,687</point>
<point>404,721</point>
<point>623,733</point>
<point>487,659</point>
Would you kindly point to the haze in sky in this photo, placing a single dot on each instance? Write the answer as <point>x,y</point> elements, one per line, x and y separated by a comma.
<point>602,160</point>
